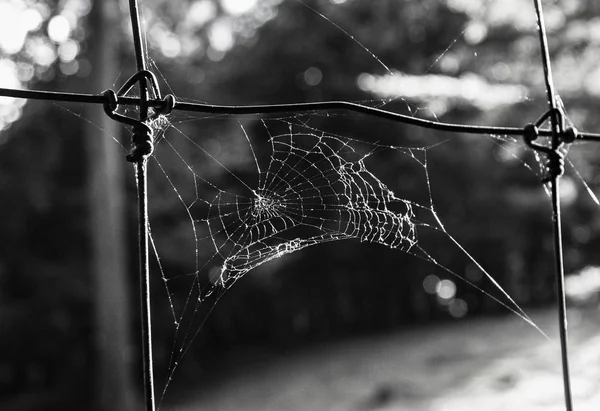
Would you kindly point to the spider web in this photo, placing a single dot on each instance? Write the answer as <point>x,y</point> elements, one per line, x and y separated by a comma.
<point>311,192</point>
<point>299,186</point>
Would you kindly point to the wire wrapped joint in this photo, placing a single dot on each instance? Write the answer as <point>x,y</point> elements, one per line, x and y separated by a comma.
<point>143,135</point>
<point>555,154</point>
<point>143,143</point>
<point>555,166</point>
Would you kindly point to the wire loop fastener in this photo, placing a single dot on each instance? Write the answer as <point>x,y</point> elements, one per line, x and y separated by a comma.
<point>143,136</point>
<point>555,165</point>
<point>168,106</point>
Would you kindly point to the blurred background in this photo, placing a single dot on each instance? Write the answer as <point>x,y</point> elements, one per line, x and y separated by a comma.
<point>344,325</point>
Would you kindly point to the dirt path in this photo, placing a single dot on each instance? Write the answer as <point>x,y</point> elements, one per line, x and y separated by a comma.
<point>493,364</point>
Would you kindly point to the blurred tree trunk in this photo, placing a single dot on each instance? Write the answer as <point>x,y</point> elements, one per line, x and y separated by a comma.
<point>113,377</point>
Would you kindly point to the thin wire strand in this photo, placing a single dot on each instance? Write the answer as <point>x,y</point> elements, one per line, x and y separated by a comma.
<point>286,108</point>
<point>143,225</point>
<point>547,66</point>
<point>556,214</point>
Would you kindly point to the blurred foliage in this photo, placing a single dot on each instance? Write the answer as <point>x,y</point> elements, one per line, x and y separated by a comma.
<point>484,195</point>
<point>44,281</point>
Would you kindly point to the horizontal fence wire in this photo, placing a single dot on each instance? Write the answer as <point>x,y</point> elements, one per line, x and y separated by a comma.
<point>285,108</point>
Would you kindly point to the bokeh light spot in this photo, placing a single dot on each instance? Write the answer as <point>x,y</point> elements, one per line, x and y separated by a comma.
<point>69,68</point>
<point>476,32</point>
<point>68,50</point>
<point>446,289</point>
<point>12,29</point>
<point>59,29</point>
<point>237,7</point>
<point>458,308</point>
<point>430,283</point>
<point>313,76</point>
<point>221,36</point>
<point>170,46</point>
<point>40,51</point>
<point>25,72</point>
<point>31,19</point>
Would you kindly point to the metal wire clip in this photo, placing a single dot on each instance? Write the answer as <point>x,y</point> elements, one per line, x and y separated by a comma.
<point>555,165</point>
<point>143,135</point>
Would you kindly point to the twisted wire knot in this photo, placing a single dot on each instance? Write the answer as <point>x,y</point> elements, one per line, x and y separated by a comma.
<point>143,143</point>
<point>143,135</point>
<point>555,166</point>
<point>555,154</point>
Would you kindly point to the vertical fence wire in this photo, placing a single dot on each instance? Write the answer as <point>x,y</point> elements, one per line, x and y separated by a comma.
<point>560,290</point>
<point>143,227</point>
<point>556,213</point>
